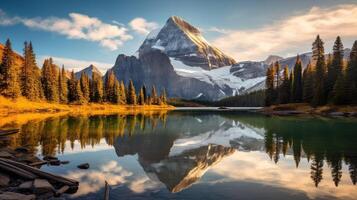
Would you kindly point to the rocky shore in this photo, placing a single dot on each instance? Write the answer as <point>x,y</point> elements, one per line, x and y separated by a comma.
<point>21,177</point>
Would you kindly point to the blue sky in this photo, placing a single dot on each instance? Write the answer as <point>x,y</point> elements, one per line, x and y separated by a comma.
<point>247,30</point>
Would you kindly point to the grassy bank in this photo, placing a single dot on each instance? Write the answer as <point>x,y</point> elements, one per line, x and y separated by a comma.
<point>23,106</point>
<point>306,109</point>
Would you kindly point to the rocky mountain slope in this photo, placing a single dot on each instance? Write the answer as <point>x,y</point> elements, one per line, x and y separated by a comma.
<point>89,71</point>
<point>179,59</point>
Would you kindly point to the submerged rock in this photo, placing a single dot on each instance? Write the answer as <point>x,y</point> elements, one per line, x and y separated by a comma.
<point>83,166</point>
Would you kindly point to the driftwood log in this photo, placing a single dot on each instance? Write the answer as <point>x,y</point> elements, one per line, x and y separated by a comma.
<point>39,173</point>
<point>16,170</point>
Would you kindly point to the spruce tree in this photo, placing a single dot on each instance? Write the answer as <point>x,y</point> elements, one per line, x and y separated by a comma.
<point>284,89</point>
<point>97,92</point>
<point>145,93</point>
<point>308,81</point>
<point>141,98</point>
<point>63,86</point>
<point>109,86</point>
<point>269,85</point>
<point>297,82</point>
<point>163,97</point>
<point>319,75</point>
<point>117,91</point>
<point>85,87</point>
<point>340,90</point>
<point>9,74</point>
<point>122,94</point>
<point>131,98</point>
<point>352,74</point>
<point>277,74</point>
<point>49,79</point>
<point>29,76</point>
<point>335,69</point>
<point>154,98</point>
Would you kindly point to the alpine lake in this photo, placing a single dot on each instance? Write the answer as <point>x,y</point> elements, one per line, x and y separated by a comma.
<point>198,154</point>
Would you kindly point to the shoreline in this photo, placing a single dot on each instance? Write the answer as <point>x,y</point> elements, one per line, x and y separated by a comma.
<point>303,109</point>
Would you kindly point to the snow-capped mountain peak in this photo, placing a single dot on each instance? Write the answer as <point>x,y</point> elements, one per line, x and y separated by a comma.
<point>180,40</point>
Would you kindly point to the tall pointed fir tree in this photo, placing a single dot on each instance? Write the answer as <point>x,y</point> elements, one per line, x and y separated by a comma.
<point>318,58</point>
<point>277,74</point>
<point>153,96</point>
<point>145,93</point>
<point>352,74</point>
<point>30,76</point>
<point>63,86</point>
<point>297,82</point>
<point>308,81</point>
<point>49,77</point>
<point>74,90</point>
<point>9,77</point>
<point>131,96</point>
<point>284,89</point>
<point>141,98</point>
<point>335,69</point>
<point>122,93</point>
<point>340,90</point>
<point>109,86</point>
<point>163,97</point>
<point>85,87</point>
<point>97,93</point>
<point>269,85</point>
<point>117,91</point>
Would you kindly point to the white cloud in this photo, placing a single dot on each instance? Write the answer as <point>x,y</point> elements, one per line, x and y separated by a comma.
<point>77,26</point>
<point>291,33</point>
<point>141,26</point>
<point>76,65</point>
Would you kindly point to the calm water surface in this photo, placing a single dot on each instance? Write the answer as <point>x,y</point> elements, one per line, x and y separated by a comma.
<point>200,155</point>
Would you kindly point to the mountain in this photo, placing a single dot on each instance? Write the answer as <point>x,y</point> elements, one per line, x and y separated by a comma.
<point>89,71</point>
<point>179,59</point>
<point>183,42</point>
<point>271,59</point>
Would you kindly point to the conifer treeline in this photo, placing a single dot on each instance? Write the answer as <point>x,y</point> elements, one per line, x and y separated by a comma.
<point>330,80</point>
<point>51,83</point>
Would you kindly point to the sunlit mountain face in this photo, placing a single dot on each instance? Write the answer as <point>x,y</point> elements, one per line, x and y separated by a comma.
<point>195,155</point>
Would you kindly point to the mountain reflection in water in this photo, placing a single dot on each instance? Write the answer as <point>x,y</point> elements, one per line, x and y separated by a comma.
<point>178,148</point>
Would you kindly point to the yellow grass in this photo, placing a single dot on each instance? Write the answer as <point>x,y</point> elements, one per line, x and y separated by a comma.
<point>24,106</point>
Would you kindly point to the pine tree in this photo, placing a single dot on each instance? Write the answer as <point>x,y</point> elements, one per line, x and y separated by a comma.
<point>297,82</point>
<point>9,77</point>
<point>131,97</point>
<point>335,69</point>
<point>145,93</point>
<point>308,84</point>
<point>154,99</point>
<point>340,90</point>
<point>352,74</point>
<point>117,91</point>
<point>85,87</point>
<point>63,86</point>
<point>141,98</point>
<point>50,80</point>
<point>284,89</point>
<point>75,94</point>
<point>269,84</point>
<point>122,94</point>
<point>277,74</point>
<point>319,75</point>
<point>109,86</point>
<point>97,93</point>
<point>163,97</point>
<point>30,79</point>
